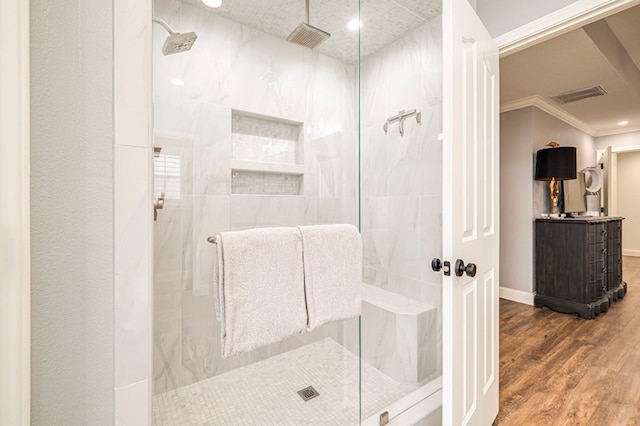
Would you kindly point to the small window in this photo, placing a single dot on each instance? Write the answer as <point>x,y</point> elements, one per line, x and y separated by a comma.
<point>166,176</point>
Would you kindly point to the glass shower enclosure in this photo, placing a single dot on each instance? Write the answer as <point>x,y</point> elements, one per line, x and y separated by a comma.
<point>252,130</point>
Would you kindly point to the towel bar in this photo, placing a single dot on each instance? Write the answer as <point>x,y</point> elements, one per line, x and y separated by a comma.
<point>212,240</point>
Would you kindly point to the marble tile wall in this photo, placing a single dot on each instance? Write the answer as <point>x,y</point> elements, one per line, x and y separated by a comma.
<point>133,215</point>
<point>402,175</point>
<point>399,335</point>
<point>233,68</point>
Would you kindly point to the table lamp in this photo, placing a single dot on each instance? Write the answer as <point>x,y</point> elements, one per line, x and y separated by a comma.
<point>555,164</point>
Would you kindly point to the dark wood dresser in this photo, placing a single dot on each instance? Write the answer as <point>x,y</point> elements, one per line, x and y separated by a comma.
<point>579,264</point>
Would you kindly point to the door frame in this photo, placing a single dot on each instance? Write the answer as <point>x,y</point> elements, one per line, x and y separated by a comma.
<point>15,162</point>
<point>15,290</point>
<point>615,151</point>
<point>563,20</point>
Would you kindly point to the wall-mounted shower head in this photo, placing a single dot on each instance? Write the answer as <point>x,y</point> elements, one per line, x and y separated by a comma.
<point>307,35</point>
<point>176,42</point>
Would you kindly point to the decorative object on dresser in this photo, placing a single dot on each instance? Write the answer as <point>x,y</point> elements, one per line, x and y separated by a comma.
<point>579,264</point>
<point>554,164</point>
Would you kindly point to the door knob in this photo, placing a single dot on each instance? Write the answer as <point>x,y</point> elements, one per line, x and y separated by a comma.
<point>470,269</point>
<point>437,265</point>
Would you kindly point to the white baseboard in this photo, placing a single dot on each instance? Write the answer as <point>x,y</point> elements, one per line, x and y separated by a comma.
<point>516,295</point>
<point>629,252</point>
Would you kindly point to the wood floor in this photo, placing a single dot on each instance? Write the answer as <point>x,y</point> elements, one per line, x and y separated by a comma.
<point>558,369</point>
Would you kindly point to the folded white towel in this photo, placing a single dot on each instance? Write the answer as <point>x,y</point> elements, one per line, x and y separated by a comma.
<point>260,288</point>
<point>332,273</point>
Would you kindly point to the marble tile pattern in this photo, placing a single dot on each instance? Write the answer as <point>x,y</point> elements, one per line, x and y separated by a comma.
<point>385,20</point>
<point>264,140</point>
<point>402,175</point>
<point>133,214</point>
<point>399,335</point>
<point>235,68</point>
<point>266,392</point>
<point>240,86</point>
<point>247,182</point>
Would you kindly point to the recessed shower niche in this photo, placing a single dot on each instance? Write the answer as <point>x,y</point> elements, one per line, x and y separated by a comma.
<point>266,155</point>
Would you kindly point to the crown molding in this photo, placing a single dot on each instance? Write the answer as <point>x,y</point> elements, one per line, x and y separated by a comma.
<point>553,110</point>
<point>559,22</point>
<point>617,131</point>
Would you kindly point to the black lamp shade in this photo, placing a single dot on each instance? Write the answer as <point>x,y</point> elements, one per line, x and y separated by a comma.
<point>559,163</point>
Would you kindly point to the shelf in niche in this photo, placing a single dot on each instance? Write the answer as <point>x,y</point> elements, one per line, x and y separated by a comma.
<point>257,166</point>
<point>249,182</point>
<point>266,155</point>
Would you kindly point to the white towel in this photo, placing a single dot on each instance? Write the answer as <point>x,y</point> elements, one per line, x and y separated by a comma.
<point>332,273</point>
<point>260,288</point>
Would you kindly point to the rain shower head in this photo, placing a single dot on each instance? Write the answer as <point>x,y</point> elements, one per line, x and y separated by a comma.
<point>176,42</point>
<point>307,35</point>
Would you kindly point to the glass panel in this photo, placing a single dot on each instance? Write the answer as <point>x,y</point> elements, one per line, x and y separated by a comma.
<point>259,132</point>
<point>283,119</point>
<point>401,189</point>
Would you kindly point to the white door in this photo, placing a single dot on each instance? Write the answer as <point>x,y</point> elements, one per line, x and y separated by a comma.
<point>609,197</point>
<point>470,218</point>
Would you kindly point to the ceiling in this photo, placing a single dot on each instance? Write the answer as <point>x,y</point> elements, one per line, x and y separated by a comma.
<point>383,21</point>
<point>583,58</point>
<point>589,56</point>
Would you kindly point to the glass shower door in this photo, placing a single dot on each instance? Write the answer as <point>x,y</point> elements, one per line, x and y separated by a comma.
<point>254,131</point>
<point>401,204</point>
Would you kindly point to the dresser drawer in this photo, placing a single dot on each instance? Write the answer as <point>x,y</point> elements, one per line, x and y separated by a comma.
<point>596,233</point>
<point>597,251</point>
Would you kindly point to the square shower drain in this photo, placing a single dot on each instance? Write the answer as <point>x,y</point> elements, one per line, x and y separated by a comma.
<point>308,393</point>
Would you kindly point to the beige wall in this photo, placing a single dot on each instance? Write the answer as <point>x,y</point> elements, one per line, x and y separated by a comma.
<point>629,201</point>
<point>516,195</point>
<point>522,200</point>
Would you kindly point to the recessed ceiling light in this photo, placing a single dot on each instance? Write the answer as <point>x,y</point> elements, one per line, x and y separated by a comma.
<point>354,24</point>
<point>623,123</point>
<point>177,82</point>
<point>212,3</point>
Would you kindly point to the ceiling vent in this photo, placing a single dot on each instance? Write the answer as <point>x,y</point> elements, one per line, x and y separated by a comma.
<point>578,95</point>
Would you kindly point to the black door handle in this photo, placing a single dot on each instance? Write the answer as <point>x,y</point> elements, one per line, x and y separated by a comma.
<point>470,269</point>
<point>437,265</point>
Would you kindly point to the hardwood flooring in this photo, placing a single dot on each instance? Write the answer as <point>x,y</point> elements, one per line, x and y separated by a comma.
<point>558,369</point>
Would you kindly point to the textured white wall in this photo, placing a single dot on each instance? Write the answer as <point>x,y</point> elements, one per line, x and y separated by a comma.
<point>502,16</point>
<point>72,212</point>
<point>628,201</point>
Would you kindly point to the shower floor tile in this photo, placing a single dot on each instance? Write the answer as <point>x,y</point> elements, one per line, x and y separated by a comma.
<point>265,393</point>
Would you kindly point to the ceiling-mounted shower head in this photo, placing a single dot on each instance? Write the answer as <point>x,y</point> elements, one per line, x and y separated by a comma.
<point>307,35</point>
<point>176,42</point>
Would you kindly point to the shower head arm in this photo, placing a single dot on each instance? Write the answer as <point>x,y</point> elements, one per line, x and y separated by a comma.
<point>164,25</point>
<point>307,9</point>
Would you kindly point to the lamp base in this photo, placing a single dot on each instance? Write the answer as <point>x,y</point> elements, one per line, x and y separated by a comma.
<point>553,196</point>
